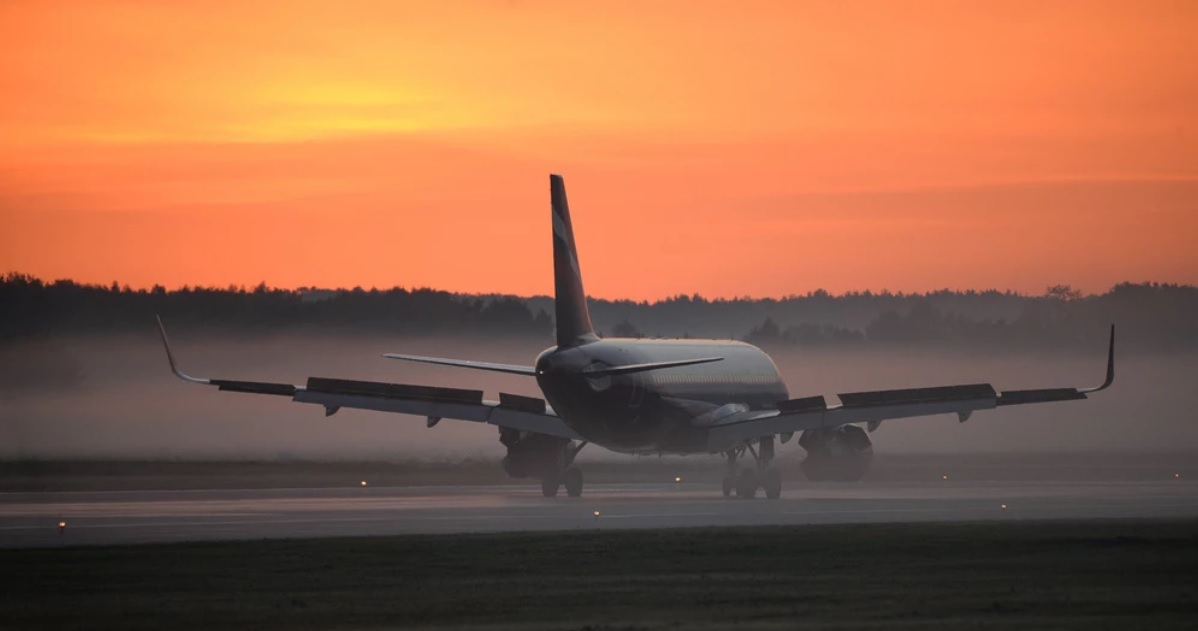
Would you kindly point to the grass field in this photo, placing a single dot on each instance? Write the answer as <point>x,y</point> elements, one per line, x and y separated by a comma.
<point>1043,575</point>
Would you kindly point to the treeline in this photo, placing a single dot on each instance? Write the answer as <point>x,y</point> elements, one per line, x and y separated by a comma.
<point>36,308</point>
<point>1153,316</point>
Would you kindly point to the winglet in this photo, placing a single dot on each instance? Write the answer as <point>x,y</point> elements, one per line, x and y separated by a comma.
<point>1110,366</point>
<point>170,357</point>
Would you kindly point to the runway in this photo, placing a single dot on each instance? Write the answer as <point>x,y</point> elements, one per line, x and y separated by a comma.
<point>127,517</point>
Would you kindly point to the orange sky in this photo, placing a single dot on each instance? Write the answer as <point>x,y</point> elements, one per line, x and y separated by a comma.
<point>747,148</point>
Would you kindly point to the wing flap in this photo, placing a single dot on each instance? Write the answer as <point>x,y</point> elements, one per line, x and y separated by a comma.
<point>805,404</point>
<point>916,395</point>
<point>521,403</point>
<point>254,387</point>
<point>1020,397</point>
<point>378,403</point>
<point>394,390</point>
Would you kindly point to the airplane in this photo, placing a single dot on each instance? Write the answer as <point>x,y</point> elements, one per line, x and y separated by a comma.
<point>652,396</point>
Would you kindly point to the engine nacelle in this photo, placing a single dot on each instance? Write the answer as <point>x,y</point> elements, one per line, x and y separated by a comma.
<point>840,454</point>
<point>533,455</point>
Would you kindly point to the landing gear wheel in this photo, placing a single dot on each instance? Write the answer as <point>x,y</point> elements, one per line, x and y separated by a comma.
<point>746,484</point>
<point>729,484</point>
<point>772,483</point>
<point>550,484</point>
<point>573,482</point>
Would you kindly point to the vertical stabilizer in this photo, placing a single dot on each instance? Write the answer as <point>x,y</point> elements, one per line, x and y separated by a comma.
<point>570,301</point>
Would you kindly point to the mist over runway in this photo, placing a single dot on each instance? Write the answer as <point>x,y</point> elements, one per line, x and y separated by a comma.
<point>129,406</point>
<point>127,517</point>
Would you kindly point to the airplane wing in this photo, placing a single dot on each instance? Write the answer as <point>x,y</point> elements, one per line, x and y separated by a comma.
<point>883,405</point>
<point>528,414</point>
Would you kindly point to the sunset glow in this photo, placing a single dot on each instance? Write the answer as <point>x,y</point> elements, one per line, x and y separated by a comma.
<point>759,148</point>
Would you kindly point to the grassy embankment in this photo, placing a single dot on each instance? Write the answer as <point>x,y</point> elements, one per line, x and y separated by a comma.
<point>1117,575</point>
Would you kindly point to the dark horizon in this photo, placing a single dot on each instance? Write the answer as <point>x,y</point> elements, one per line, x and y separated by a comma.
<point>1158,317</point>
<point>1057,290</point>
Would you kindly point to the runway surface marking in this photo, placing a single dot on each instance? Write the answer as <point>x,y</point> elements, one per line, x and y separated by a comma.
<point>31,519</point>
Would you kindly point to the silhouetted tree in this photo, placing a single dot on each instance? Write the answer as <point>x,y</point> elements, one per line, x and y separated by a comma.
<point>625,328</point>
<point>1063,292</point>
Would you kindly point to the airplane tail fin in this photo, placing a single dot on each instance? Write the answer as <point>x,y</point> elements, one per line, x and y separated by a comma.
<point>570,301</point>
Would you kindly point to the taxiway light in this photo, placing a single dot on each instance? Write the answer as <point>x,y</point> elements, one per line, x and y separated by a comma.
<point>363,482</point>
<point>677,478</point>
<point>1002,507</point>
<point>1176,476</point>
<point>944,477</point>
<point>62,526</point>
<point>596,515</point>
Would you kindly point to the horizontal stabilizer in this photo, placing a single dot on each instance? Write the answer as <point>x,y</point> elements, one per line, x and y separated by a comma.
<point>514,369</point>
<point>632,368</point>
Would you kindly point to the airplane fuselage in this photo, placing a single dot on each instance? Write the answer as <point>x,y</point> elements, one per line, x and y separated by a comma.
<point>659,411</point>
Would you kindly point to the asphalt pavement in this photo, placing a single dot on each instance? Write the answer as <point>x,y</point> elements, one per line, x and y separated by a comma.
<point>129,517</point>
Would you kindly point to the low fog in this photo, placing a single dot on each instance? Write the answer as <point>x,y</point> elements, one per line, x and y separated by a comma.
<point>114,397</point>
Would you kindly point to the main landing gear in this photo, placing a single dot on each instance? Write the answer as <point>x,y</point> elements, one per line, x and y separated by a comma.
<point>564,473</point>
<point>549,459</point>
<point>571,478</point>
<point>745,482</point>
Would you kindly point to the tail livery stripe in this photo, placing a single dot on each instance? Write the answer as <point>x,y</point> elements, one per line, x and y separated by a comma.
<point>570,302</point>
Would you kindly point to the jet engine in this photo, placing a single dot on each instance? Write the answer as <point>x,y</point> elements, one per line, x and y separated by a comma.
<point>532,455</point>
<point>840,454</point>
